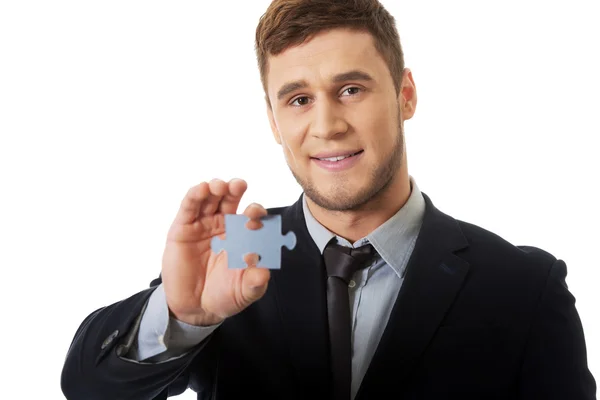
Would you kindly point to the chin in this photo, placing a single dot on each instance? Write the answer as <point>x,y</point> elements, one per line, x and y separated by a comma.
<point>354,189</point>
<point>342,196</point>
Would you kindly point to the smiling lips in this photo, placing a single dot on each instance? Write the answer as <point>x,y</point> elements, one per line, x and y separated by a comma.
<point>338,161</point>
<point>336,155</point>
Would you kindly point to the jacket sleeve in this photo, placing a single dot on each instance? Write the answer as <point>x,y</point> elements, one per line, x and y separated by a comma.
<point>162,337</point>
<point>555,361</point>
<point>95,366</point>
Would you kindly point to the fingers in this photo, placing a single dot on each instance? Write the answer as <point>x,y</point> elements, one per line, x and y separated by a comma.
<point>231,200</point>
<point>218,189</point>
<point>207,198</point>
<point>254,211</point>
<point>191,203</point>
<point>254,283</point>
<point>251,259</point>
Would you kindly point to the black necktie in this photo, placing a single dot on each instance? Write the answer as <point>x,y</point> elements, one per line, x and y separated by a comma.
<point>341,263</point>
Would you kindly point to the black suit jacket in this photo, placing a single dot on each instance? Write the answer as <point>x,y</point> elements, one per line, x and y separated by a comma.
<point>476,318</point>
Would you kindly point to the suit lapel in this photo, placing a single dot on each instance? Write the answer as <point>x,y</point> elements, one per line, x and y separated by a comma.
<point>434,276</point>
<point>302,299</point>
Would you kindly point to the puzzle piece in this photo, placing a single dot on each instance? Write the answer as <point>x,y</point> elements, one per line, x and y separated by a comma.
<point>266,241</point>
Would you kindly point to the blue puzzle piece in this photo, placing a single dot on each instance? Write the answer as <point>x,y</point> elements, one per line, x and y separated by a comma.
<point>266,241</point>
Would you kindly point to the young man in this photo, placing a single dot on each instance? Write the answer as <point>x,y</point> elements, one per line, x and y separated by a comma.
<point>423,307</point>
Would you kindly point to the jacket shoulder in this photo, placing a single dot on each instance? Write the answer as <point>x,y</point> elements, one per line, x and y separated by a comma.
<point>498,252</point>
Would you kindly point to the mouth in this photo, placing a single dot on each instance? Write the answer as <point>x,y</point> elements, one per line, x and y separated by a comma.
<point>339,163</point>
<point>337,158</point>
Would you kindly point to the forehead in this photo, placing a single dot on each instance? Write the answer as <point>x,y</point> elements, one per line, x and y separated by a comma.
<point>325,55</point>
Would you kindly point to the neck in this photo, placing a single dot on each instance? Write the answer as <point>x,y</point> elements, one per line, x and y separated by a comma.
<point>356,224</point>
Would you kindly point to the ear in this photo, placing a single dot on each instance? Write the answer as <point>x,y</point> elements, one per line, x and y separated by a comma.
<point>407,98</point>
<point>274,128</point>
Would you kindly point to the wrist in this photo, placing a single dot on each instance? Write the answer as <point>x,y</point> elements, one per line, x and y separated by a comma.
<point>197,319</point>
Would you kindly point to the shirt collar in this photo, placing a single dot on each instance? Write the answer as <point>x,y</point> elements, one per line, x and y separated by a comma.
<point>393,239</point>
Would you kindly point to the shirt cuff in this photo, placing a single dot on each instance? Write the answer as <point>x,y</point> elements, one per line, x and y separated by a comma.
<point>161,334</point>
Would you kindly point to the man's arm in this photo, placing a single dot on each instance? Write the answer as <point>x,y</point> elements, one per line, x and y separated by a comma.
<point>163,338</point>
<point>96,369</point>
<point>555,364</point>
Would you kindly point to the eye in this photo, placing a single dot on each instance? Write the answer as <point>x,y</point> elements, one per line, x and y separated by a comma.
<point>302,101</point>
<point>353,90</point>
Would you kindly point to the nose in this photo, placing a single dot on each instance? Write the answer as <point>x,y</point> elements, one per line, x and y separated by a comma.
<point>328,120</point>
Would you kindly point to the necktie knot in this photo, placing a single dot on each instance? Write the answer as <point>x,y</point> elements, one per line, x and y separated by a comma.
<point>342,262</point>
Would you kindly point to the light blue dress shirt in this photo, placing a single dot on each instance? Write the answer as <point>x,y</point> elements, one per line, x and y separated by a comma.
<point>372,293</point>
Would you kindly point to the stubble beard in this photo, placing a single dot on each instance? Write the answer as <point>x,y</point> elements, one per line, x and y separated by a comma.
<point>341,196</point>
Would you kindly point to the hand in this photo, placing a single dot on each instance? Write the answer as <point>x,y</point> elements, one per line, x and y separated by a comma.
<point>199,288</point>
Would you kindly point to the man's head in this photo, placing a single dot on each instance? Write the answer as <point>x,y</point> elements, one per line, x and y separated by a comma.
<point>334,79</point>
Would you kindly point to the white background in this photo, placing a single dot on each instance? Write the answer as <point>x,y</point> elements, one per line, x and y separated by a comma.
<point>110,111</point>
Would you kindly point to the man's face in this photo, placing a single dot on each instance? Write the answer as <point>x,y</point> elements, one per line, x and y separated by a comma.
<point>334,95</point>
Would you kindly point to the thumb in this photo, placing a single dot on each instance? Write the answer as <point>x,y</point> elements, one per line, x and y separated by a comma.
<point>254,283</point>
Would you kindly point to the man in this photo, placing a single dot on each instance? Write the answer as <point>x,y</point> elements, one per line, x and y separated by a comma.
<point>423,307</point>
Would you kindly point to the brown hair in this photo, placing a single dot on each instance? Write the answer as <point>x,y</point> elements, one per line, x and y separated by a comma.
<point>288,23</point>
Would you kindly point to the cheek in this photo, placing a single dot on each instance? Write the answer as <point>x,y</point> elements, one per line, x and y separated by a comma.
<point>385,127</point>
<point>375,130</point>
<point>291,139</point>
<point>291,149</point>
<point>373,117</point>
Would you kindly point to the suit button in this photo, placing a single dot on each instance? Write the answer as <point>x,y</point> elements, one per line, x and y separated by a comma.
<point>109,339</point>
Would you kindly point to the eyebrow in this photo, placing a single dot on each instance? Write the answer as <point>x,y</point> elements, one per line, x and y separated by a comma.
<point>354,75</point>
